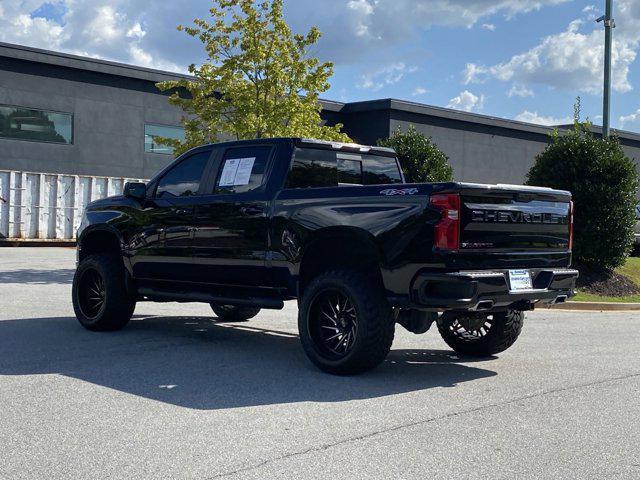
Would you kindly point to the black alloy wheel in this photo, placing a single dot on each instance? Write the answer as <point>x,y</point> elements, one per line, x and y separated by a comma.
<point>101,299</point>
<point>345,321</point>
<point>471,327</point>
<point>481,334</point>
<point>234,313</point>
<point>91,293</point>
<point>333,324</point>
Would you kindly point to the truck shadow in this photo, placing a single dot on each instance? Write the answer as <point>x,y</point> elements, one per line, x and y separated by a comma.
<point>37,276</point>
<point>196,363</point>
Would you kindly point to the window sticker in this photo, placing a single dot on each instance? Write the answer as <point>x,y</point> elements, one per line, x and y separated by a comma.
<point>243,174</point>
<point>236,171</point>
<point>229,172</point>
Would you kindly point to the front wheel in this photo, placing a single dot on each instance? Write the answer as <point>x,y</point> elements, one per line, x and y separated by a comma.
<point>233,313</point>
<point>345,322</point>
<point>480,334</point>
<point>100,298</point>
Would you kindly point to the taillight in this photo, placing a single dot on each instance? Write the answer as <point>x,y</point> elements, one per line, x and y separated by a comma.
<point>570,225</point>
<point>447,230</point>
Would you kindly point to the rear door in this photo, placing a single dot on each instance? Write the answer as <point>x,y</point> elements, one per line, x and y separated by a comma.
<point>168,221</point>
<point>231,236</point>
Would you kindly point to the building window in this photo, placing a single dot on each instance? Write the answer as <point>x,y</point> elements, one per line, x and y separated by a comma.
<point>152,132</point>
<point>22,123</point>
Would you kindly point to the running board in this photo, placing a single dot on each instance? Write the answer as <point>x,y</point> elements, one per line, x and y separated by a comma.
<point>162,295</point>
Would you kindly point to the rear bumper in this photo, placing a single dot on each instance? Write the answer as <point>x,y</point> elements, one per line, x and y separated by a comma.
<point>489,290</point>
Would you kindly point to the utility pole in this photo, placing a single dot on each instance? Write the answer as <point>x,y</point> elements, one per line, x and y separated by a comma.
<point>609,25</point>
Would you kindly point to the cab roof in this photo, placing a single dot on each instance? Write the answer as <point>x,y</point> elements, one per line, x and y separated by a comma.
<point>311,142</point>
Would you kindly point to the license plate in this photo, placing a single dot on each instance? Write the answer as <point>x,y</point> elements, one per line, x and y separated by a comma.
<point>520,280</point>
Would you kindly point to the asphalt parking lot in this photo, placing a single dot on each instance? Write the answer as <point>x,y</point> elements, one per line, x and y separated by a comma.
<point>177,395</point>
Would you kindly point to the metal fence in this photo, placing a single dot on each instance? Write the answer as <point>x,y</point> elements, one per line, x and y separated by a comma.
<point>48,206</point>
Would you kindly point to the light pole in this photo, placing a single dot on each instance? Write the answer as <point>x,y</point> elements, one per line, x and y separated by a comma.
<point>609,25</point>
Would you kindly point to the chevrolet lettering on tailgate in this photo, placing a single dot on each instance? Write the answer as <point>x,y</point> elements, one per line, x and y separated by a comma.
<point>502,216</point>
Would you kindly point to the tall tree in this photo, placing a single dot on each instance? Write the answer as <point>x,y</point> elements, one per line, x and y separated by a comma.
<point>258,80</point>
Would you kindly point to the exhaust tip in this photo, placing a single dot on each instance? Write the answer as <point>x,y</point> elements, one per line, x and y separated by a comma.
<point>484,305</point>
<point>560,299</point>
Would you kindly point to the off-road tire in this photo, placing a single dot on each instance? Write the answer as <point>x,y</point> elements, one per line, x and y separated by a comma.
<point>233,313</point>
<point>117,305</point>
<point>375,322</point>
<point>504,332</point>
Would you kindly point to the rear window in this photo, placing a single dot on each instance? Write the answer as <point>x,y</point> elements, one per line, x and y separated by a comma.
<point>327,168</point>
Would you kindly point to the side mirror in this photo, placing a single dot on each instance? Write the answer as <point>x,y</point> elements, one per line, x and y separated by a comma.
<point>135,190</point>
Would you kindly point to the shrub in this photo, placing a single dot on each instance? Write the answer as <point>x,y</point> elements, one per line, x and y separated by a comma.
<point>421,160</point>
<point>604,183</point>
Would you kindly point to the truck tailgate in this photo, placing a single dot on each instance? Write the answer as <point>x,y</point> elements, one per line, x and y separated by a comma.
<point>514,218</point>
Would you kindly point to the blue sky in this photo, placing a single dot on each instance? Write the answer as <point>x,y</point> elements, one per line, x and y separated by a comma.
<point>520,59</point>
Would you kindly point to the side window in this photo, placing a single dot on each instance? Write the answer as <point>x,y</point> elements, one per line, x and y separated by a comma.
<point>313,167</point>
<point>380,170</point>
<point>183,180</point>
<point>242,169</point>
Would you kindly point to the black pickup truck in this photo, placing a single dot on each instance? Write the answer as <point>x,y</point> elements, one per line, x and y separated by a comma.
<point>248,225</point>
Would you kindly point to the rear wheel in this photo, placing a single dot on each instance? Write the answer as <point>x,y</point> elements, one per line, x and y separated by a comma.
<point>233,313</point>
<point>100,298</point>
<point>345,322</point>
<point>480,334</point>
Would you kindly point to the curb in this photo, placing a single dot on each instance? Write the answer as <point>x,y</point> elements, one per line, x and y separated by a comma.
<point>36,243</point>
<point>598,306</point>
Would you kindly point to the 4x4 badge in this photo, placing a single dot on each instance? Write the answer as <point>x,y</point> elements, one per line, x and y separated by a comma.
<point>399,191</point>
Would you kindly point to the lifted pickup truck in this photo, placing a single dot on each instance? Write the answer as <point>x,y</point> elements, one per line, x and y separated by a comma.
<point>247,225</point>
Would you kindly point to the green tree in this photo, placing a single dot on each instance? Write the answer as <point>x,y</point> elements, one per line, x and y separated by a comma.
<point>604,184</point>
<point>258,81</point>
<point>421,159</point>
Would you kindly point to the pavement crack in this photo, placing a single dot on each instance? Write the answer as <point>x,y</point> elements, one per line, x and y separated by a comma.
<point>395,428</point>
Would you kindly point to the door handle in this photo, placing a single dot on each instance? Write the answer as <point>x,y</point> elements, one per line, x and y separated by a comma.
<point>252,210</point>
<point>184,211</point>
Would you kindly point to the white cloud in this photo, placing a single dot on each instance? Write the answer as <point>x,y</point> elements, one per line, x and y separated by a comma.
<point>356,29</point>
<point>361,9</point>
<point>474,73</point>
<point>136,32</point>
<point>489,26</point>
<point>108,29</point>
<point>632,118</point>
<point>385,76</point>
<point>533,117</point>
<point>418,91</point>
<point>17,25</point>
<point>571,60</point>
<point>466,101</point>
<point>591,12</point>
<point>519,90</point>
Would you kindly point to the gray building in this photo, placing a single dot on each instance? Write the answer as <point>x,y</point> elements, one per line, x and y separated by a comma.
<point>65,114</point>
